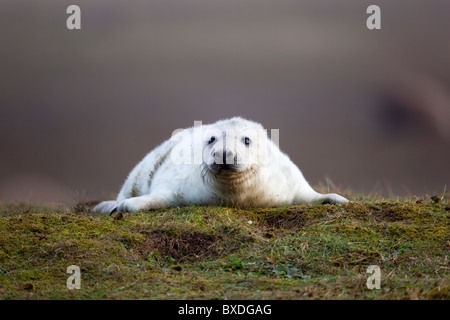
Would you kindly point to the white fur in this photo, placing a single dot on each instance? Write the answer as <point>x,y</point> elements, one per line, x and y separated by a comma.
<point>263,176</point>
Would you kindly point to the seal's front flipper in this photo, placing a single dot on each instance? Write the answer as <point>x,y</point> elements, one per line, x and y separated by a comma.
<point>113,211</point>
<point>105,206</point>
<point>142,203</point>
<point>332,198</point>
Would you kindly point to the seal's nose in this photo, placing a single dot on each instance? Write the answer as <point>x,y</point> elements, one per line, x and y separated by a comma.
<point>228,157</point>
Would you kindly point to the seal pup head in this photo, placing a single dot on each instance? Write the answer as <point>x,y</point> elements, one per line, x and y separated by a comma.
<point>234,151</point>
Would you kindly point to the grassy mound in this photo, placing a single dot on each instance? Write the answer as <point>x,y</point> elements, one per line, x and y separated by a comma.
<point>298,252</point>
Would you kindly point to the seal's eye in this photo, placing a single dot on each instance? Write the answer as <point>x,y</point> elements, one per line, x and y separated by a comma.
<point>212,140</point>
<point>247,141</point>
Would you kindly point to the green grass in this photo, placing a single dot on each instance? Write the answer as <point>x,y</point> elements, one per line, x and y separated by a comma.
<point>297,252</point>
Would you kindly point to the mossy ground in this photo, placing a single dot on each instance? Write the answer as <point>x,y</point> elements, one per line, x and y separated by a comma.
<point>297,252</point>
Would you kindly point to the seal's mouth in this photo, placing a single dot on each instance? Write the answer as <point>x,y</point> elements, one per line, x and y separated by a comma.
<point>219,168</point>
<point>229,181</point>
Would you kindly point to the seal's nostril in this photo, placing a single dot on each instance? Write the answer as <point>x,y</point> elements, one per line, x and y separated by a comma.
<point>224,157</point>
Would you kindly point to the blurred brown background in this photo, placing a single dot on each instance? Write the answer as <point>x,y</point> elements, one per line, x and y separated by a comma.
<point>369,110</point>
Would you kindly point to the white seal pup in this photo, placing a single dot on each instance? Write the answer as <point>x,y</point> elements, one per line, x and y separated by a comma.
<point>231,162</point>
